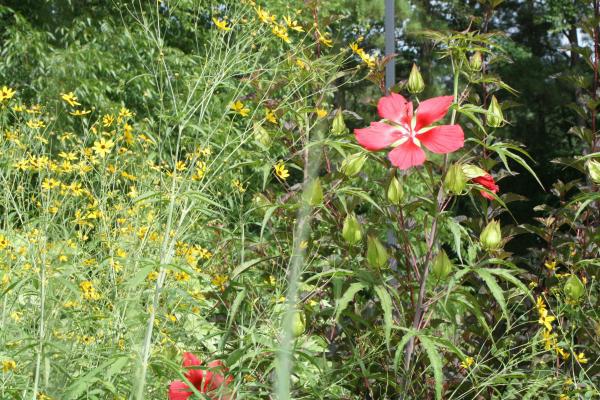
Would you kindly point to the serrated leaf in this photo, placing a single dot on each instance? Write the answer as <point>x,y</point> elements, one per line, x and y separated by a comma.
<point>386,305</point>
<point>347,297</point>
<point>436,364</point>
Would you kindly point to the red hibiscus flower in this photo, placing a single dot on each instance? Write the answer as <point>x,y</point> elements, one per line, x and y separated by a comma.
<point>206,381</point>
<point>487,181</point>
<point>406,132</point>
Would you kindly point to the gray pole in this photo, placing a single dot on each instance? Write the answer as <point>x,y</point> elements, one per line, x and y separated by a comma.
<point>390,43</point>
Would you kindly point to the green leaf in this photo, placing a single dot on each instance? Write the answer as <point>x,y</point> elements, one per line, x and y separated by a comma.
<point>386,306</point>
<point>347,297</point>
<point>495,289</point>
<point>436,364</point>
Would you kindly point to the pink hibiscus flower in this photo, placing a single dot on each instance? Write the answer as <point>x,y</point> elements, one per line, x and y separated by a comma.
<point>207,381</point>
<point>406,132</point>
<point>487,181</point>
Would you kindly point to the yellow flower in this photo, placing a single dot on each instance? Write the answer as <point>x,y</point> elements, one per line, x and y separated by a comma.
<point>546,320</point>
<point>6,93</point>
<point>3,242</point>
<point>292,24</point>
<point>561,352</point>
<point>281,32</point>
<point>8,365</point>
<point>80,113</point>
<point>551,265</point>
<point>107,120</point>
<point>221,24</point>
<point>321,112</point>
<point>549,340</point>
<point>102,147</point>
<point>50,183</point>
<point>88,291</point>
<point>466,364</point>
<point>70,98</point>
<point>301,64</point>
<point>270,116</point>
<point>581,358</point>
<point>220,281</point>
<point>264,16</point>
<point>125,113</point>
<point>239,108</point>
<point>238,185</point>
<point>281,171</point>
<point>324,39</point>
<point>540,305</point>
<point>36,123</point>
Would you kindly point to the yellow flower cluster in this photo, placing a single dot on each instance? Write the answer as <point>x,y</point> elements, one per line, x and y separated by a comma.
<point>6,93</point>
<point>88,291</point>
<point>366,58</point>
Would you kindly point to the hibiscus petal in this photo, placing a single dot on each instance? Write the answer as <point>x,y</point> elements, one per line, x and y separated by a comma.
<point>378,136</point>
<point>432,110</point>
<point>178,390</point>
<point>487,181</point>
<point>395,108</point>
<point>195,376</point>
<point>443,139</point>
<point>407,155</point>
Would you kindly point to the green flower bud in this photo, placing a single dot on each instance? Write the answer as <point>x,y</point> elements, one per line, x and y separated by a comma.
<point>594,171</point>
<point>415,81</point>
<point>455,180</point>
<point>495,118</point>
<point>353,164</point>
<point>261,135</point>
<point>442,266</point>
<point>351,230</point>
<point>298,323</point>
<point>395,193</point>
<point>491,236</point>
<point>377,255</point>
<point>313,193</point>
<point>476,61</point>
<point>338,127</point>
<point>574,288</point>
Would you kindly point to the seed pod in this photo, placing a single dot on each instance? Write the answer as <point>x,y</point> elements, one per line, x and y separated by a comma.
<point>338,126</point>
<point>377,255</point>
<point>455,180</point>
<point>298,323</point>
<point>395,193</point>
<point>491,236</point>
<point>415,81</point>
<point>351,231</point>
<point>476,61</point>
<point>313,194</point>
<point>574,288</point>
<point>442,266</point>
<point>261,135</point>
<point>495,118</point>
<point>594,171</point>
<point>353,164</point>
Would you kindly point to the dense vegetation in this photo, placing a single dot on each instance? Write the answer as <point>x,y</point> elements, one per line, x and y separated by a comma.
<point>222,199</point>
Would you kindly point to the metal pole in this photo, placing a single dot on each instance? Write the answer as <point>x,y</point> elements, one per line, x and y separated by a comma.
<point>390,43</point>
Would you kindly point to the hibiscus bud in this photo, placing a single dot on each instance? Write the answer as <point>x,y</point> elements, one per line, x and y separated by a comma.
<point>574,288</point>
<point>353,164</point>
<point>351,230</point>
<point>442,266</point>
<point>261,135</point>
<point>495,118</point>
<point>415,81</point>
<point>338,127</point>
<point>594,171</point>
<point>476,61</point>
<point>455,180</point>
<point>298,323</point>
<point>395,193</point>
<point>376,253</point>
<point>313,194</point>
<point>491,236</point>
